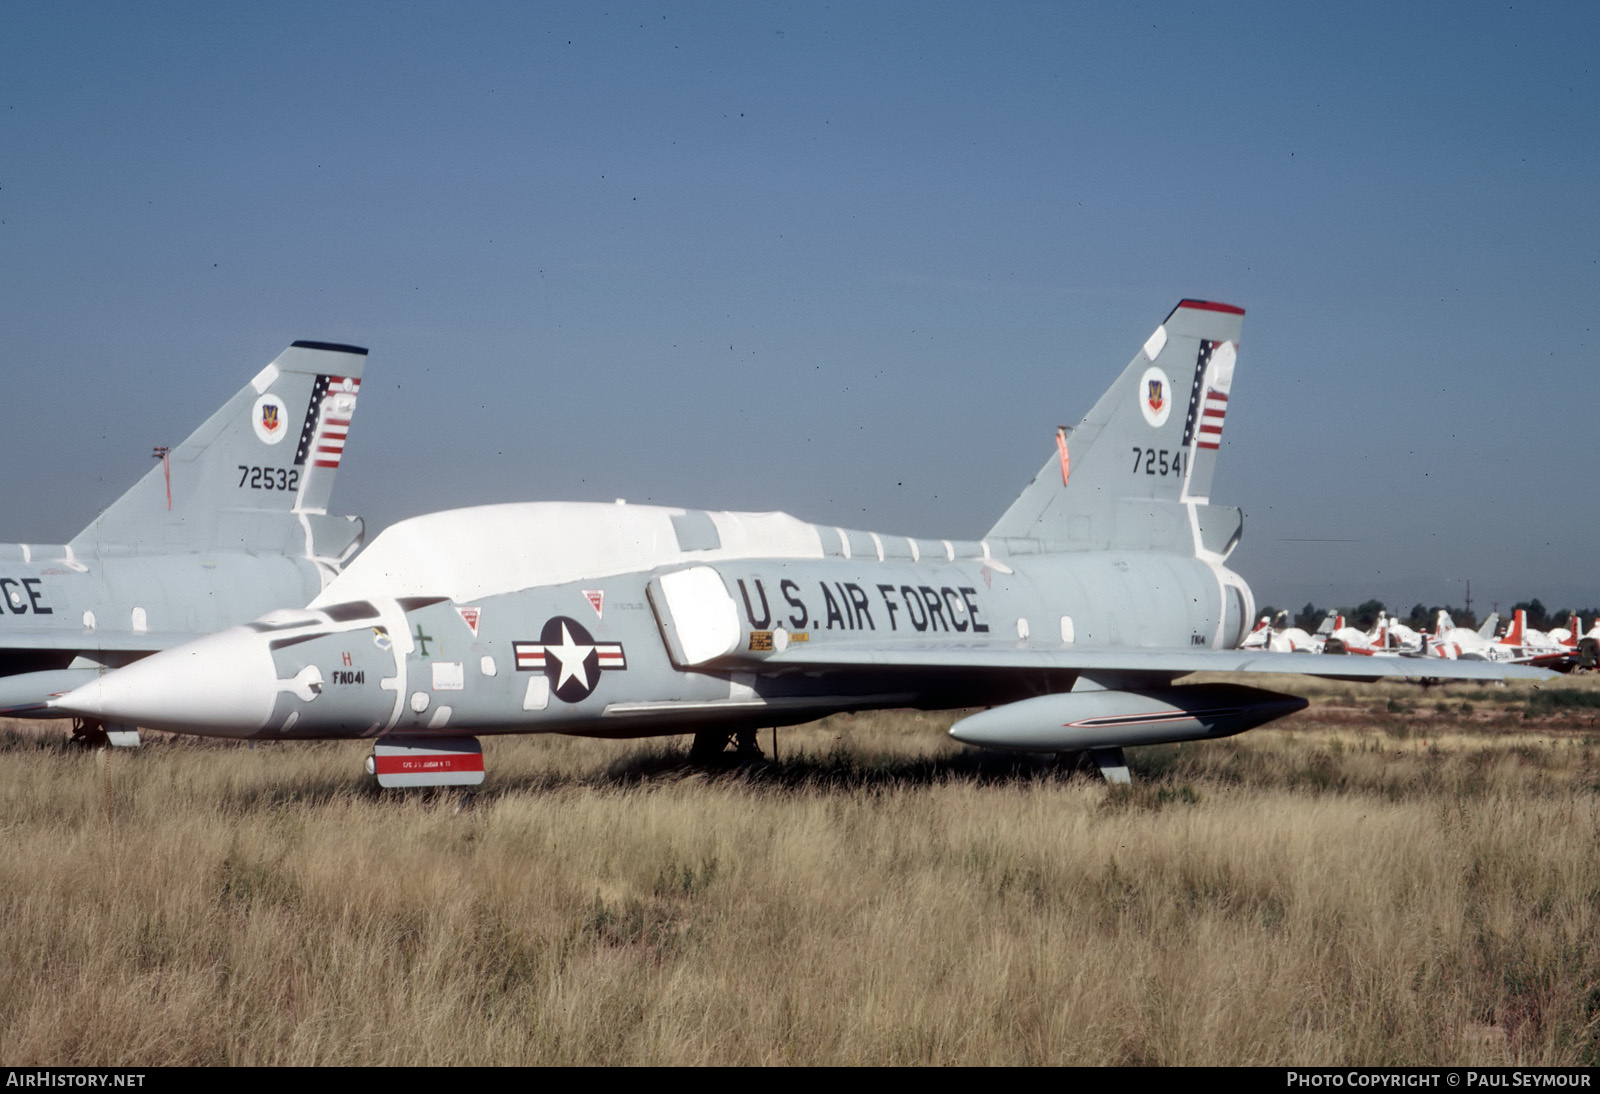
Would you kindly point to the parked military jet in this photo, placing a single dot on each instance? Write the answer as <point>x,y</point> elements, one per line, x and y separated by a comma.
<point>1388,638</point>
<point>1519,645</point>
<point>1451,642</point>
<point>1279,636</point>
<point>1101,585</point>
<point>231,523</point>
<point>1580,647</point>
<point>1523,645</point>
<point>1568,636</point>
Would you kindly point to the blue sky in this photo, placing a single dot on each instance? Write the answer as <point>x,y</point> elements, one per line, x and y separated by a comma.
<point>853,261</point>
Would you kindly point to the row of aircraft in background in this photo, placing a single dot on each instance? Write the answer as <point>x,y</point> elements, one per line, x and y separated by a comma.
<point>220,597</point>
<point>1560,649</point>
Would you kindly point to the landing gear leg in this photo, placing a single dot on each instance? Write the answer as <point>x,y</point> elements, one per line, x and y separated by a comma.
<point>708,745</point>
<point>1070,763</point>
<point>711,745</point>
<point>1112,766</point>
<point>93,733</point>
<point>89,733</point>
<point>746,747</point>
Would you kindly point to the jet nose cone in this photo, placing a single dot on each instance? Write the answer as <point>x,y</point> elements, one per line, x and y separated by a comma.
<point>223,685</point>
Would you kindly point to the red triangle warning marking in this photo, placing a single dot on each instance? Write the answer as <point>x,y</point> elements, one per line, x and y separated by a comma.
<point>469,616</point>
<point>597,601</point>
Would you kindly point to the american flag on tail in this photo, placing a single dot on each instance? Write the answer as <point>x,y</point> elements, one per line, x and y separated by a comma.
<point>1216,408</point>
<point>1205,412</point>
<point>333,401</point>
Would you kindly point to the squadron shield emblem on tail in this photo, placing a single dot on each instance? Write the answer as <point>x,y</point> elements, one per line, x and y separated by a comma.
<point>1154,398</point>
<point>268,420</point>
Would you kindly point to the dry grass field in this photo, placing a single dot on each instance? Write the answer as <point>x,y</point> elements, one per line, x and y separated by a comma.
<point>1393,876</point>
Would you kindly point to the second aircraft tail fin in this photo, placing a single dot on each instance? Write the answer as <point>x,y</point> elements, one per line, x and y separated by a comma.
<point>1147,446</point>
<point>256,476</point>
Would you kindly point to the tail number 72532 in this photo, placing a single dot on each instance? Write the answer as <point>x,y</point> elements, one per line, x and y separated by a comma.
<point>269,478</point>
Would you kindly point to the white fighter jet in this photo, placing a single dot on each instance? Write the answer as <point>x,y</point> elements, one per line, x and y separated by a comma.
<point>1070,621</point>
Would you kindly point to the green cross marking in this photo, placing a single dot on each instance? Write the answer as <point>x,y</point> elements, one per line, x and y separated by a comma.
<point>423,639</point>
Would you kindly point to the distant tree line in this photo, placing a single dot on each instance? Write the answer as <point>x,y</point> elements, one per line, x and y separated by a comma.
<point>1364,616</point>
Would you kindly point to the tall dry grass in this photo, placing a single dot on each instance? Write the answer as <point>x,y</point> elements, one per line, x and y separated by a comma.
<point>1319,894</point>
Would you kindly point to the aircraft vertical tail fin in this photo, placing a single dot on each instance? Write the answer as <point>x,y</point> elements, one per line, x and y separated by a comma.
<point>1122,476</point>
<point>1574,631</point>
<point>1514,633</point>
<point>256,476</point>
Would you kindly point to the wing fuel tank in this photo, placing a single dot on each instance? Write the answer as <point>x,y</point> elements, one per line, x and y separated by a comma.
<point>1082,720</point>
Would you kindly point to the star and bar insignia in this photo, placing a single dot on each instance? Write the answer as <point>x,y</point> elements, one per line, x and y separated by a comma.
<point>569,657</point>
